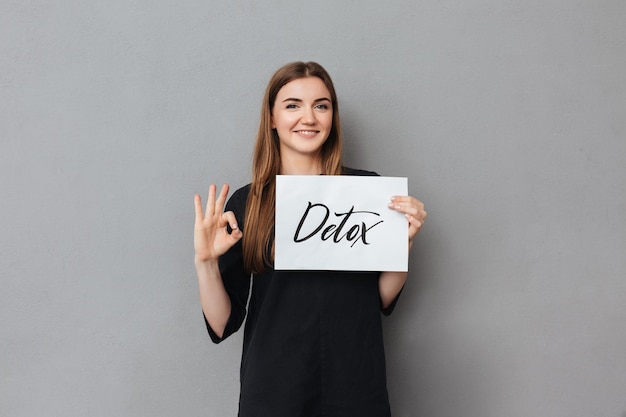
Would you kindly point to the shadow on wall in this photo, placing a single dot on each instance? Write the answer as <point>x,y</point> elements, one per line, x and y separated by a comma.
<point>442,355</point>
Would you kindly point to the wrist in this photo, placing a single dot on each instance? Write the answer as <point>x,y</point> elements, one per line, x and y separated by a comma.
<point>206,264</point>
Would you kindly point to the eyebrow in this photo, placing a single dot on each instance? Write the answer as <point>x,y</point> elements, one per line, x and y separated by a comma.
<point>300,100</point>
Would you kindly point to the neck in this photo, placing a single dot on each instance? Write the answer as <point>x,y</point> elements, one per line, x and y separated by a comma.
<point>302,166</point>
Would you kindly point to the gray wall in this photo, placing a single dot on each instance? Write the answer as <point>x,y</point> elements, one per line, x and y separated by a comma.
<point>508,117</point>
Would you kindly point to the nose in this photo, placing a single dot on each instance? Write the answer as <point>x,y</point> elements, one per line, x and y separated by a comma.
<point>309,116</point>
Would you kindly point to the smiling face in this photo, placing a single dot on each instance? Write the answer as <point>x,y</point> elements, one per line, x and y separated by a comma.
<point>303,118</point>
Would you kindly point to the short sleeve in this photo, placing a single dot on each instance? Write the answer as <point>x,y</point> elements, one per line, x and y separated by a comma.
<point>389,309</point>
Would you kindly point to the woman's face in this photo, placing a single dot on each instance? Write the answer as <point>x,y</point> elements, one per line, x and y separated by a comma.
<point>303,117</point>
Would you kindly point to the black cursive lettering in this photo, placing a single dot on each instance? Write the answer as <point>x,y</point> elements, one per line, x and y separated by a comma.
<point>355,233</point>
<point>306,213</point>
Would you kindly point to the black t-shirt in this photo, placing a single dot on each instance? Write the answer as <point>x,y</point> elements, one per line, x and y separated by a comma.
<point>313,342</point>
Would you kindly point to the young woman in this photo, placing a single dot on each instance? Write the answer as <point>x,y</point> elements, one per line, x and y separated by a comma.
<point>313,343</point>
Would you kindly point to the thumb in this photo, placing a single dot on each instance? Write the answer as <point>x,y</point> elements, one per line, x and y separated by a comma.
<point>236,234</point>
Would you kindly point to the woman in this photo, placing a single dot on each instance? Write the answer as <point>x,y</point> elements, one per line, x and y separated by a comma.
<point>313,341</point>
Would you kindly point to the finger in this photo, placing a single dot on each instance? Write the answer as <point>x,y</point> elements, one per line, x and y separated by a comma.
<point>408,205</point>
<point>230,219</point>
<point>415,223</point>
<point>405,208</point>
<point>401,198</point>
<point>198,206</point>
<point>221,199</point>
<point>415,226</point>
<point>210,204</point>
<point>406,200</point>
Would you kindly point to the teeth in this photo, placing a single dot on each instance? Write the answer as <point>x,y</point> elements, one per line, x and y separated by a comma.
<point>308,132</point>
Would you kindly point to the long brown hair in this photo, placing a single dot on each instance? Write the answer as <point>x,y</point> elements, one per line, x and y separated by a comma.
<point>258,255</point>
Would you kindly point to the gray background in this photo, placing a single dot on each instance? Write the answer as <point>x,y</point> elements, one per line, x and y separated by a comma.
<point>508,117</point>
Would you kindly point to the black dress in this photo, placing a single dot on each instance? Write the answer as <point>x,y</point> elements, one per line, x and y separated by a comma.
<point>313,342</point>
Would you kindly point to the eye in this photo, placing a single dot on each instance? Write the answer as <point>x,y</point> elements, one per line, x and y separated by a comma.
<point>322,106</point>
<point>291,106</point>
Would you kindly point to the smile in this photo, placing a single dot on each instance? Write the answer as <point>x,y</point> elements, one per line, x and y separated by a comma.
<point>307,132</point>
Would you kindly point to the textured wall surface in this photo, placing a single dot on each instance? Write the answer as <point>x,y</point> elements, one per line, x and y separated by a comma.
<point>508,117</point>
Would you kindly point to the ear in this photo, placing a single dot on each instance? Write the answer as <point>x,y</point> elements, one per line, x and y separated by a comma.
<point>273,124</point>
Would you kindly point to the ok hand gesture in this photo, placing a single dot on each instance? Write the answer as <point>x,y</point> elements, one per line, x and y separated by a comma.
<point>211,238</point>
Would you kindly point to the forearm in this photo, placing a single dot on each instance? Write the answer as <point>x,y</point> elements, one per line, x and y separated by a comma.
<point>390,283</point>
<point>213,296</point>
<point>389,286</point>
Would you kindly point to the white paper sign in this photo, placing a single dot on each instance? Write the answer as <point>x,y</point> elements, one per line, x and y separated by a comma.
<point>339,223</point>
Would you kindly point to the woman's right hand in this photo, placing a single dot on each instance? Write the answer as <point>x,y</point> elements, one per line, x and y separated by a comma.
<point>210,237</point>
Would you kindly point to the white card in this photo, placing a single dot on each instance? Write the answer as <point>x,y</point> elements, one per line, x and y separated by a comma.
<point>339,223</point>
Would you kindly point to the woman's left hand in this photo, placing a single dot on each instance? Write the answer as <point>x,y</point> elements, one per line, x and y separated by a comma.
<point>414,211</point>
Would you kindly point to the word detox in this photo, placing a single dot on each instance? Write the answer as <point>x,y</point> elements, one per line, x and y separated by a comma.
<point>356,230</point>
